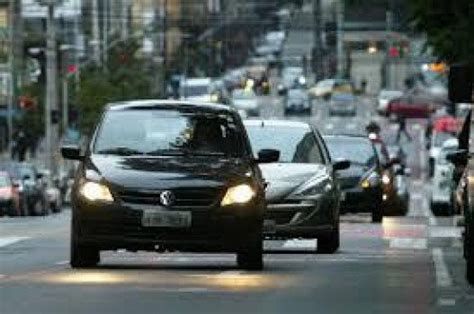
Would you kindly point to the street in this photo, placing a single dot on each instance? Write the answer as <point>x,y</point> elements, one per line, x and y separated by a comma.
<point>406,264</point>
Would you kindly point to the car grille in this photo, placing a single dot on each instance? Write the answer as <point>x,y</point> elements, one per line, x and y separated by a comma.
<point>349,182</point>
<point>185,197</point>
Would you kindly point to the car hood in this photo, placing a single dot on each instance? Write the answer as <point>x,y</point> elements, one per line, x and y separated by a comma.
<point>173,172</point>
<point>355,171</point>
<point>284,178</point>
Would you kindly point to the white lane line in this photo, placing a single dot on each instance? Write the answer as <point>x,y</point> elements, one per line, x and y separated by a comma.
<point>60,263</point>
<point>2,276</point>
<point>445,232</point>
<point>10,240</point>
<point>408,244</point>
<point>443,279</point>
<point>300,244</point>
<point>446,302</point>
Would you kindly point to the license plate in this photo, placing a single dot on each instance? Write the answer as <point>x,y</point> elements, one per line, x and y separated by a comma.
<point>343,196</point>
<point>166,219</point>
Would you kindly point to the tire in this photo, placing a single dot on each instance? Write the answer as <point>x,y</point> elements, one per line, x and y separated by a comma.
<point>470,270</point>
<point>329,244</point>
<point>377,215</point>
<point>82,256</point>
<point>251,255</point>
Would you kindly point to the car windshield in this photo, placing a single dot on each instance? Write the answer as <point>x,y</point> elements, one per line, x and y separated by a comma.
<point>360,152</point>
<point>297,94</point>
<point>168,132</point>
<point>296,144</point>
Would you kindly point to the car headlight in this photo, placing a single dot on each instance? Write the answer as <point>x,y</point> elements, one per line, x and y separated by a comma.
<point>386,179</point>
<point>239,194</point>
<point>317,186</point>
<point>94,191</point>
<point>372,180</point>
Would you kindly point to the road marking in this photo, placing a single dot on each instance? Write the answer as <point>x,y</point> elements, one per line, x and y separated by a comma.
<point>446,302</point>
<point>10,240</point>
<point>329,126</point>
<point>407,243</point>
<point>443,279</point>
<point>444,232</point>
<point>298,244</point>
<point>60,263</point>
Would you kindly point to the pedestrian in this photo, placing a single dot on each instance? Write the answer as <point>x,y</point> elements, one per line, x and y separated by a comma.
<point>402,128</point>
<point>22,146</point>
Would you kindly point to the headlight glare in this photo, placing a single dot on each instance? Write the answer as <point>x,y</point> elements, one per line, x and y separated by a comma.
<point>386,179</point>
<point>372,180</point>
<point>239,194</point>
<point>94,191</point>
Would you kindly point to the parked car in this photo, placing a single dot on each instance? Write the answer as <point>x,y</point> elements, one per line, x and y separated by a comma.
<point>302,194</point>
<point>9,196</point>
<point>361,184</point>
<point>31,190</point>
<point>297,101</point>
<point>245,100</point>
<point>442,185</point>
<point>383,99</point>
<point>343,105</point>
<point>183,171</point>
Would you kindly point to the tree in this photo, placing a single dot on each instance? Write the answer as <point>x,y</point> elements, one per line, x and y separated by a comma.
<point>449,27</point>
<point>124,77</point>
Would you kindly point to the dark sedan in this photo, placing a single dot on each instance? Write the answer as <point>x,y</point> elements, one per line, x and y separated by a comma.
<point>181,176</point>
<point>302,193</point>
<point>361,184</point>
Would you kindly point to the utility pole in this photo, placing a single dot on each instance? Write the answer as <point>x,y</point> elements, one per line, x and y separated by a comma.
<point>10,83</point>
<point>164,12</point>
<point>96,31</point>
<point>317,41</point>
<point>77,74</point>
<point>340,38</point>
<point>51,87</point>
<point>125,8</point>
<point>389,81</point>
<point>105,28</point>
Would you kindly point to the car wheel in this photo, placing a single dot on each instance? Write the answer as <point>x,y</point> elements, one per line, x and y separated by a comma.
<point>470,270</point>
<point>377,215</point>
<point>82,256</point>
<point>251,255</point>
<point>329,244</point>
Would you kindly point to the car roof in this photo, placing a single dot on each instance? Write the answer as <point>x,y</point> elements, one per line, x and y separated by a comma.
<point>168,104</point>
<point>276,123</point>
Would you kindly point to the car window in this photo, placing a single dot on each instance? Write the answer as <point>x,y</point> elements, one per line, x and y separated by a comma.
<point>168,131</point>
<point>359,152</point>
<point>296,144</point>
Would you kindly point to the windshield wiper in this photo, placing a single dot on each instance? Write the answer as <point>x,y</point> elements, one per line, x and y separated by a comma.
<point>122,151</point>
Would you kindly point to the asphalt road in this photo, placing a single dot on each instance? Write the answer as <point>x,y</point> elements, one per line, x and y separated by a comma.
<point>409,264</point>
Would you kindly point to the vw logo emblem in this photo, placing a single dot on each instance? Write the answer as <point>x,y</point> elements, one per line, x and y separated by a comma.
<point>167,198</point>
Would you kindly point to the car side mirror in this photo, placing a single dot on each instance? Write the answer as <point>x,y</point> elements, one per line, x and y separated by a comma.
<point>458,157</point>
<point>341,165</point>
<point>266,156</point>
<point>71,152</point>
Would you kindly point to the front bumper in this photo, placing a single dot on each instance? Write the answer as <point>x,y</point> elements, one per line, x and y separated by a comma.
<point>117,226</point>
<point>359,200</point>
<point>300,219</point>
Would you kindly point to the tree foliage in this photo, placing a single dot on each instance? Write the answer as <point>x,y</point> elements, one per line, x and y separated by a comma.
<point>127,75</point>
<point>449,26</point>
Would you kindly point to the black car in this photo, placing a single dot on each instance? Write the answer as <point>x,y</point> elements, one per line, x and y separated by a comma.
<point>180,176</point>
<point>30,187</point>
<point>297,101</point>
<point>361,184</point>
<point>302,193</point>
